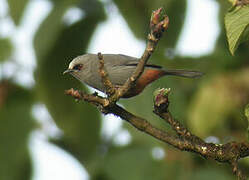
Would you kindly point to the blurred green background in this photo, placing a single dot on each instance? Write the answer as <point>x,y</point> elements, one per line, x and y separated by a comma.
<point>211,107</point>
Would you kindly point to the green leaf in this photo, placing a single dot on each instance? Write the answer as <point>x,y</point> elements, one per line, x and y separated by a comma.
<point>237,24</point>
<point>247,111</point>
<point>16,9</point>
<point>16,124</point>
<point>247,116</point>
<point>5,49</point>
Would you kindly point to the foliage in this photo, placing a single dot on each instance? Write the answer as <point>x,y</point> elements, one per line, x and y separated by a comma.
<point>237,26</point>
<point>17,9</point>
<point>247,116</point>
<point>5,49</point>
<point>14,131</point>
<point>210,106</point>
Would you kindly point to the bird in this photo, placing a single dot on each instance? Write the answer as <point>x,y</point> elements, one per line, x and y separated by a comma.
<point>120,67</point>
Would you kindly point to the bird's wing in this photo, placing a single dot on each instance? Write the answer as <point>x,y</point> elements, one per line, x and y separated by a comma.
<point>121,67</point>
<point>124,60</point>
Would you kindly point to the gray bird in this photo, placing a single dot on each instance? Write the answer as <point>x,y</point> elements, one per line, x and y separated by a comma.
<point>119,68</point>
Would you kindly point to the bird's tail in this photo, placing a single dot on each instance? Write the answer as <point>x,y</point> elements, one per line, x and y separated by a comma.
<point>184,73</point>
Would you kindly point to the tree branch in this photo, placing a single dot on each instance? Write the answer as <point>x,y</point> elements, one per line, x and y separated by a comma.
<point>226,153</point>
<point>184,140</point>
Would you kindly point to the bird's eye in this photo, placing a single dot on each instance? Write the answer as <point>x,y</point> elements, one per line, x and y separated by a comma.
<point>78,67</point>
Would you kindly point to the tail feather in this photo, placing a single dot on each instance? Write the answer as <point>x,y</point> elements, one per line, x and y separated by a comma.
<point>184,73</point>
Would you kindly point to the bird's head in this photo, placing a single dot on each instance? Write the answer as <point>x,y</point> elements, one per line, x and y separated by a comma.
<point>79,67</point>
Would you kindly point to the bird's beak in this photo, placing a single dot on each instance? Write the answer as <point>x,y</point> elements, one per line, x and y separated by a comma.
<point>68,71</point>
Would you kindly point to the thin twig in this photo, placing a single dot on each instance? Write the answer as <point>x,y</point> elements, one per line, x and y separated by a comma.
<point>161,104</point>
<point>110,90</point>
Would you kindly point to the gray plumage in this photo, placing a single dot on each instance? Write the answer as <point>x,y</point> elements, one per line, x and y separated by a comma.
<point>119,68</point>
